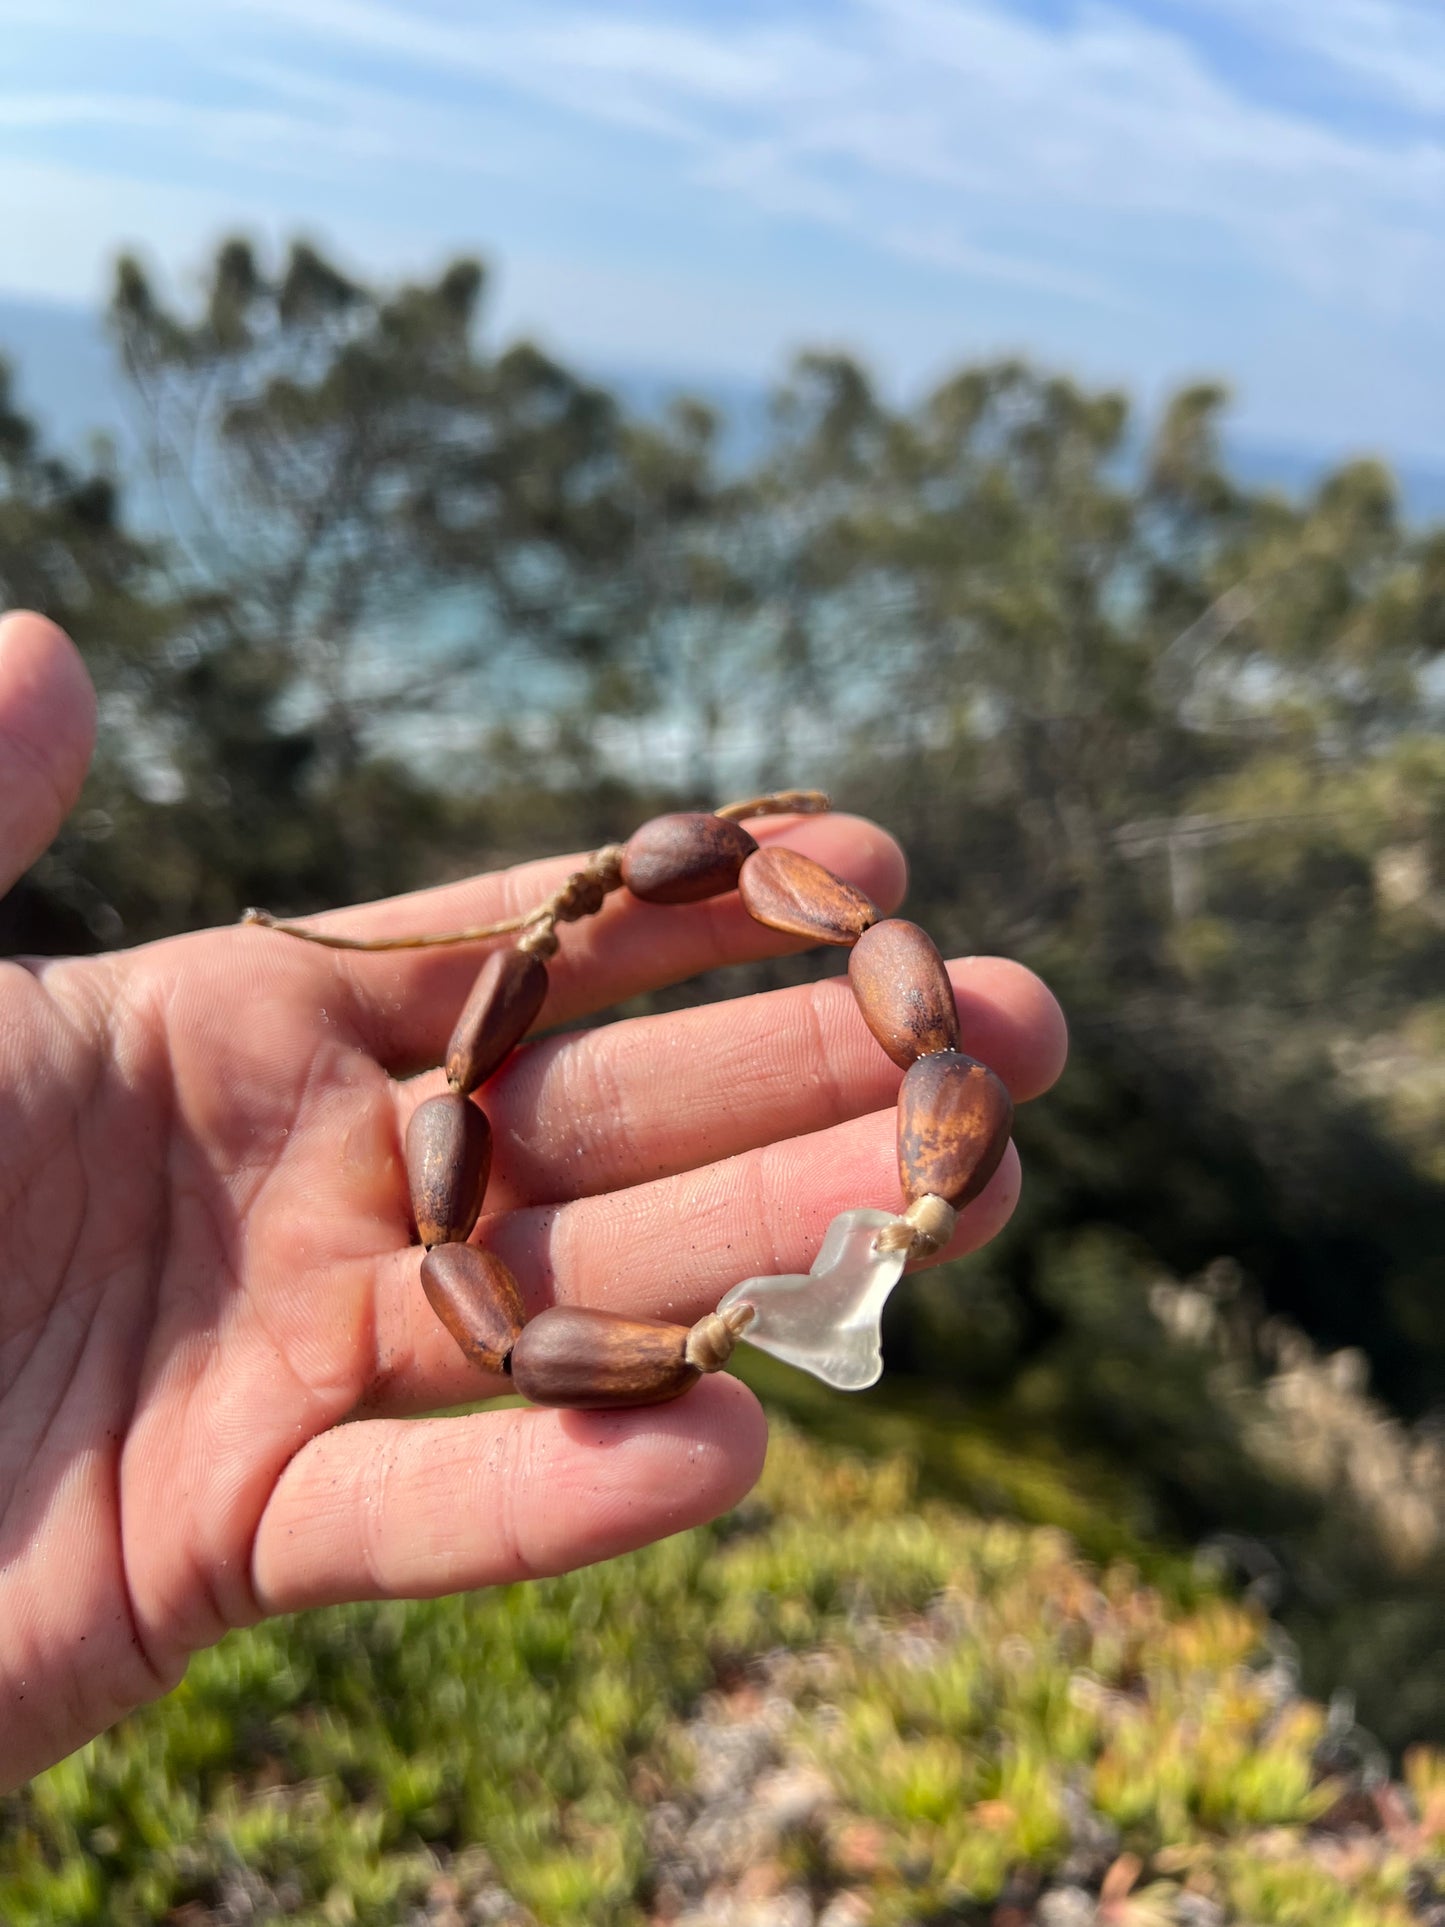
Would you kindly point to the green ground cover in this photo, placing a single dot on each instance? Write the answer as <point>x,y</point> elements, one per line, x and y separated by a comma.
<point>989,1714</point>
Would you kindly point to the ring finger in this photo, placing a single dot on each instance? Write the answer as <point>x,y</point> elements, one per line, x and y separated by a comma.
<point>579,1115</point>
<point>668,1249</point>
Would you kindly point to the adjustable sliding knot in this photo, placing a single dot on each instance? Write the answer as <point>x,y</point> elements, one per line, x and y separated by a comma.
<point>582,895</point>
<point>539,939</point>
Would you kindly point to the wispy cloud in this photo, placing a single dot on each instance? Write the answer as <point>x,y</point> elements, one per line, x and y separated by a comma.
<point>1120,159</point>
<point>265,138</point>
<point>1393,50</point>
<point>990,121</point>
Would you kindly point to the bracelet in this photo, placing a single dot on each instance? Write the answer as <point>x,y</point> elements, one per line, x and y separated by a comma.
<point>954,1120</point>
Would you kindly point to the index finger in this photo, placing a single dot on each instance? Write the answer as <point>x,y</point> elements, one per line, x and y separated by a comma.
<point>404,1003</point>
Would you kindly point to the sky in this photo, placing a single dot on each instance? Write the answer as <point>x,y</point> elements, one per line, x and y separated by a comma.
<point>1140,192</point>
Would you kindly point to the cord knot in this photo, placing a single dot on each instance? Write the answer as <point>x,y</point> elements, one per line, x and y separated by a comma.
<point>923,1229</point>
<point>711,1341</point>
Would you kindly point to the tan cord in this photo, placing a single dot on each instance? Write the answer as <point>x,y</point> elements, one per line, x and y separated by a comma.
<point>579,896</point>
<point>780,803</point>
<point>265,921</point>
<point>710,1342</point>
<point>924,1228</point>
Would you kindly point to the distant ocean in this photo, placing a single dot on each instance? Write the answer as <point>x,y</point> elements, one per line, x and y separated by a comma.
<point>68,380</point>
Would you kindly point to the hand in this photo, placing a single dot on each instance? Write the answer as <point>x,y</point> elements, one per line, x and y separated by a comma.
<point>206,1263</point>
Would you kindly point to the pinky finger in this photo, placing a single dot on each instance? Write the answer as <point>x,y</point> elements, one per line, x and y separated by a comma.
<point>397,1509</point>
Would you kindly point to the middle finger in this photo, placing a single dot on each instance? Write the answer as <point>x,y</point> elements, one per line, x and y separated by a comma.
<point>583,1114</point>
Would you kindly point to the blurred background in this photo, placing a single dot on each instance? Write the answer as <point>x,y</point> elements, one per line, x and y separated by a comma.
<point>454,432</point>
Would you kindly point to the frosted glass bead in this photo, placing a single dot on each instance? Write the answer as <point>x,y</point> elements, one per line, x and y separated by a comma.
<point>827,1320</point>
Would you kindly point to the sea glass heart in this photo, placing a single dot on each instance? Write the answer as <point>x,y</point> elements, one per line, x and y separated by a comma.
<point>827,1320</point>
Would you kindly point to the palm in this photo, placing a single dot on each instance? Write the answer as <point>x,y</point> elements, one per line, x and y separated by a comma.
<point>189,1267</point>
<point>206,1258</point>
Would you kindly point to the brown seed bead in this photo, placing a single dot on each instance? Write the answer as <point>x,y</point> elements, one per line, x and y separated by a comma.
<point>902,987</point>
<point>476,1298</point>
<point>511,988</point>
<point>594,1360</point>
<point>788,891</point>
<point>684,858</point>
<point>954,1118</point>
<point>448,1157</point>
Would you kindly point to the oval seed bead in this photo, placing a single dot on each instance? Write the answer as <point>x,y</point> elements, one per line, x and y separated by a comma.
<point>510,989</point>
<point>789,891</point>
<point>901,983</point>
<point>448,1159</point>
<point>593,1361</point>
<point>685,857</point>
<point>954,1119</point>
<point>476,1298</point>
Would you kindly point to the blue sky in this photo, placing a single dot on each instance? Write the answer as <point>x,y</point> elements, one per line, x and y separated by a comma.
<point>1140,191</point>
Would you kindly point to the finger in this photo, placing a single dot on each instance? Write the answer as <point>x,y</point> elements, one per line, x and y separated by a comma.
<point>387,1510</point>
<point>667,1250</point>
<point>404,1003</point>
<point>578,1115</point>
<point>47,732</point>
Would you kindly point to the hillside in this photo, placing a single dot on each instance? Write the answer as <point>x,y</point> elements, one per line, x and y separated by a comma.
<point>841,1705</point>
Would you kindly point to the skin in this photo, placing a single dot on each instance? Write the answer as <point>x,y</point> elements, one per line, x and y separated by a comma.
<point>213,1341</point>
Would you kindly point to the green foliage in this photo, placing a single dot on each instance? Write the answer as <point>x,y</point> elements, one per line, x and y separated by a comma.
<point>325,1755</point>
<point>64,548</point>
<point>966,1685</point>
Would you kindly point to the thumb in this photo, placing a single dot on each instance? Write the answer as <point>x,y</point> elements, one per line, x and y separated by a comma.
<point>47,731</point>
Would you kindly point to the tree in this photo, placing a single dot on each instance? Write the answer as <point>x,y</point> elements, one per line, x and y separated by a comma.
<point>398,538</point>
